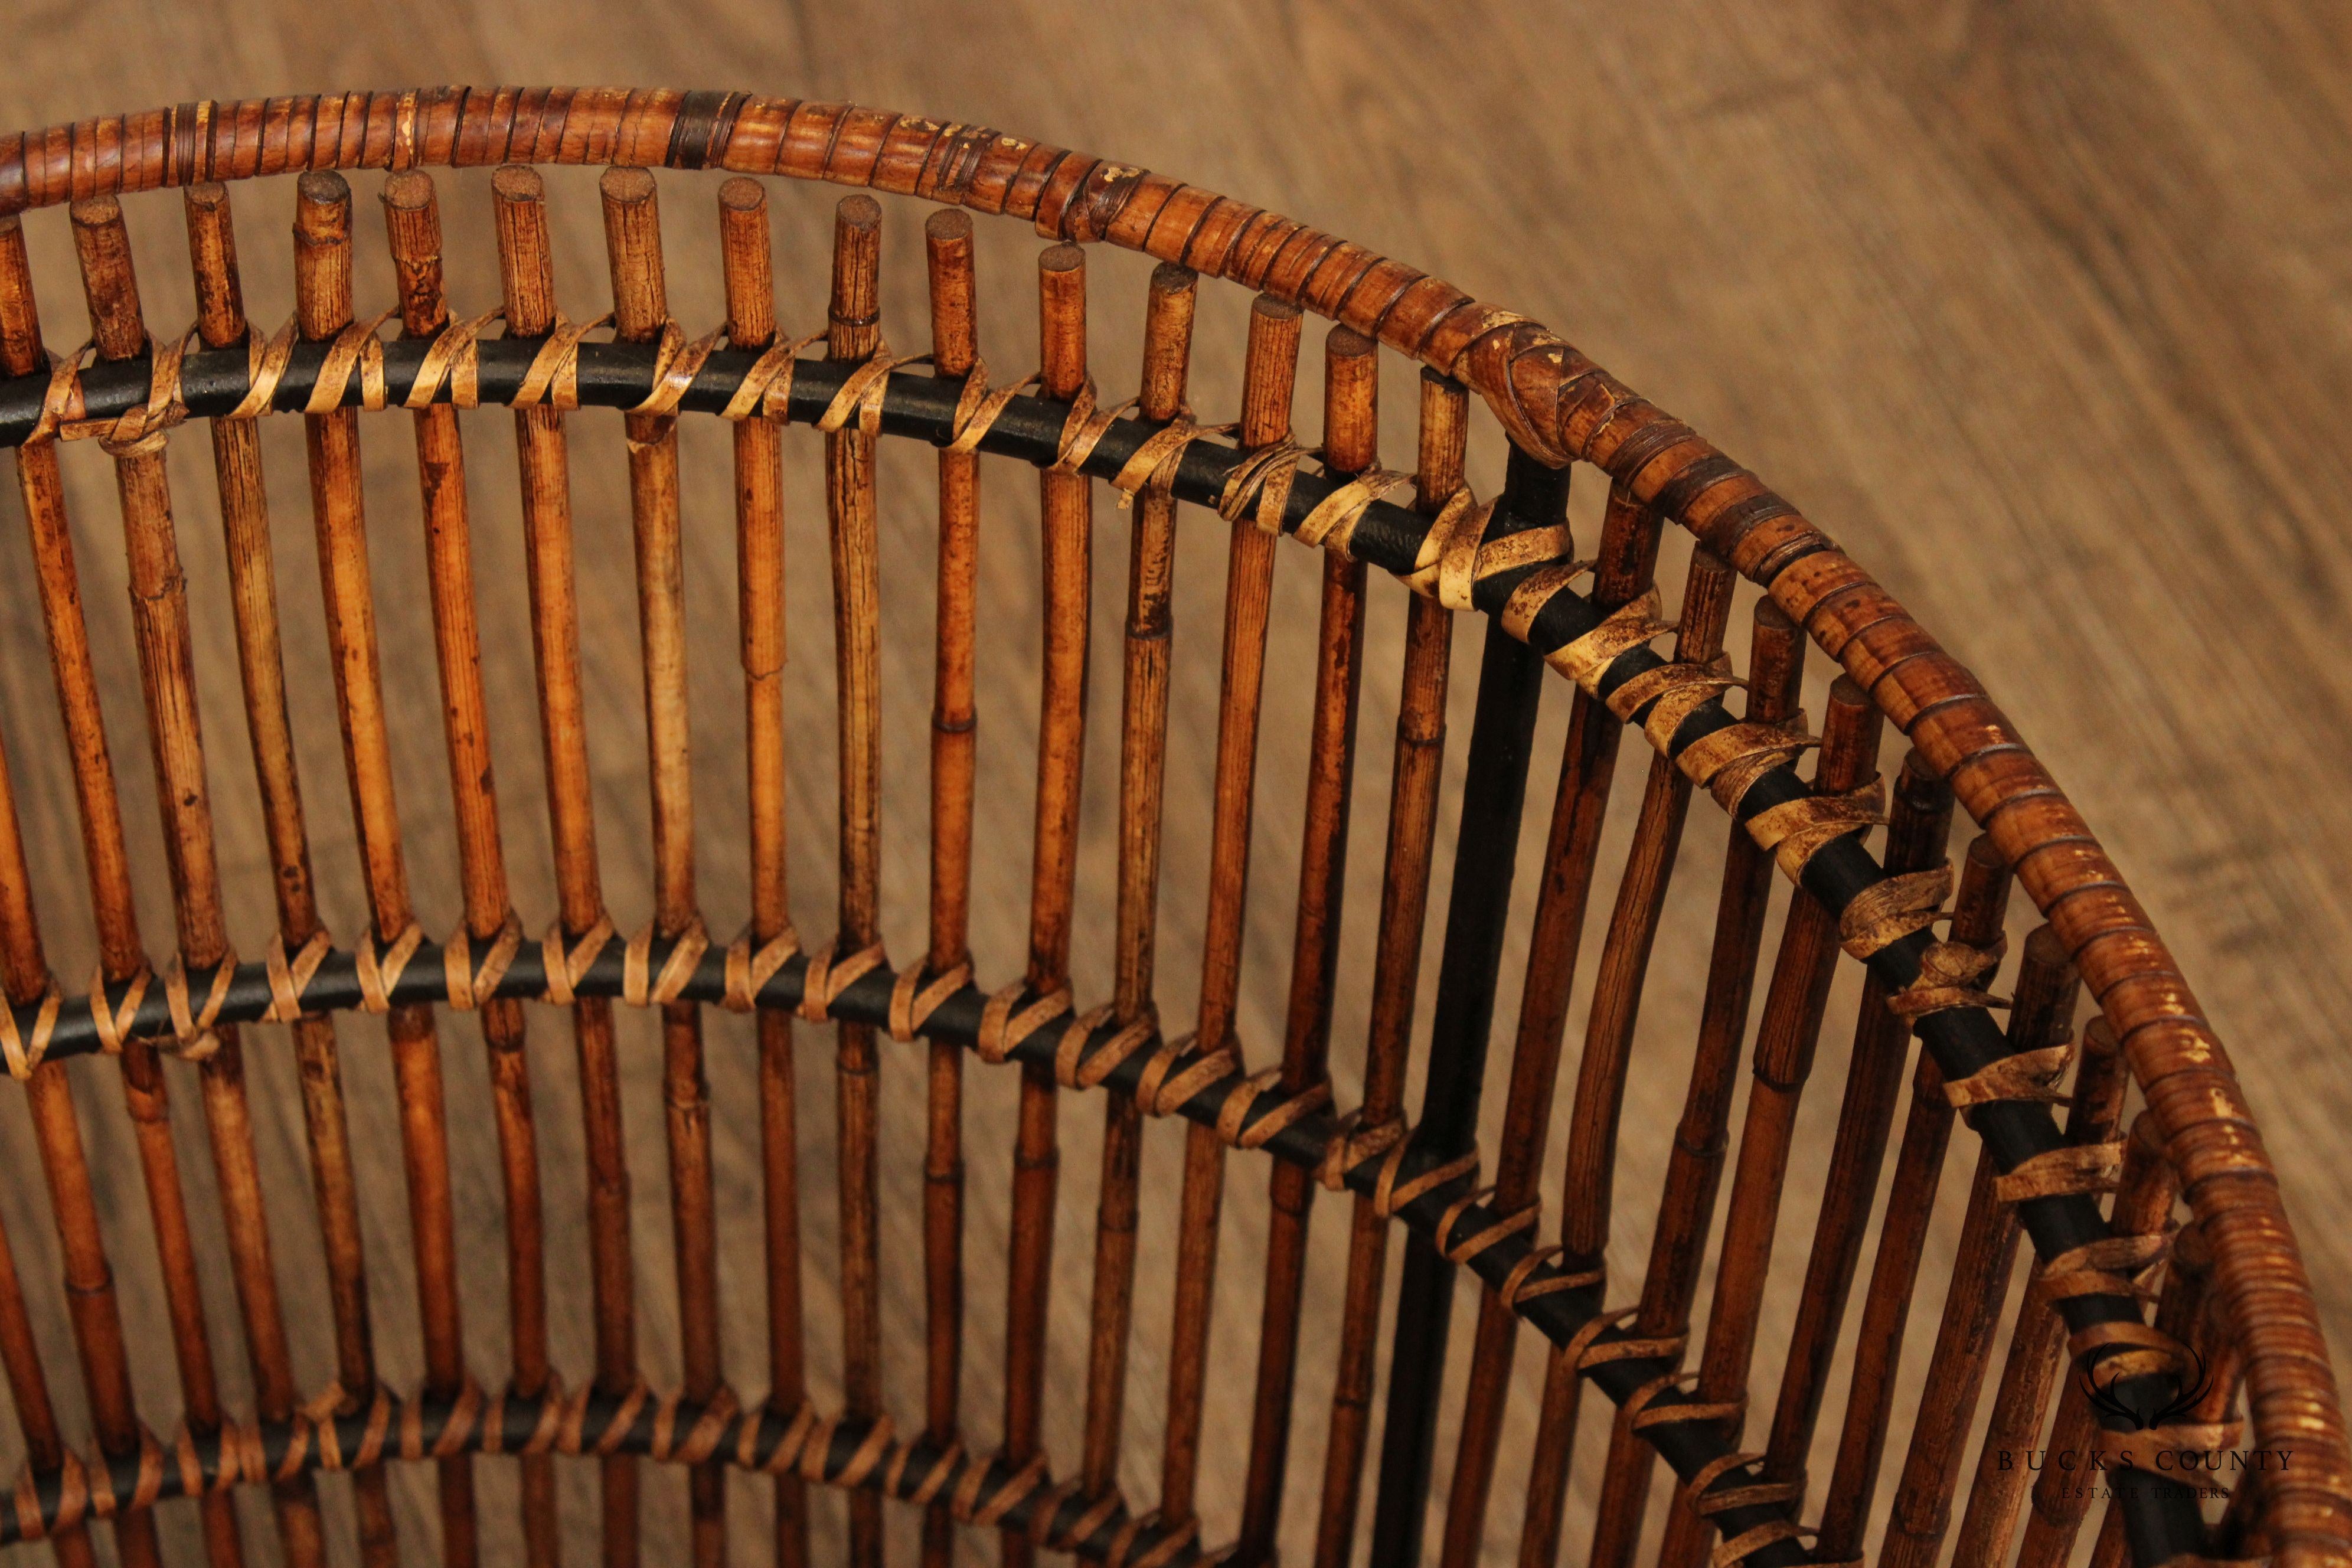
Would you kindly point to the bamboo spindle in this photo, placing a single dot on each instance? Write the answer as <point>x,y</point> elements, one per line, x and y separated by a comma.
<point>1502,732</point>
<point>322,281</point>
<point>1270,367</point>
<point>413,223</point>
<point>1065,506</point>
<point>1977,919</point>
<point>2190,1310</point>
<point>2041,1015</point>
<point>2061,1496</point>
<point>1625,950</point>
<point>1785,1038</point>
<point>854,332</point>
<point>640,314</point>
<point>2030,1372</point>
<point>955,354</point>
<point>527,279</point>
<point>91,1300</point>
<point>25,978</point>
<point>1626,565</point>
<point>159,611</point>
<point>261,667</point>
<point>1143,766</point>
<point>1695,1162</point>
<point>1351,369</point>
<point>750,271</point>
<point>1918,828</point>
<point>1607,1060</point>
<point>1396,971</point>
<point>2187,1311</point>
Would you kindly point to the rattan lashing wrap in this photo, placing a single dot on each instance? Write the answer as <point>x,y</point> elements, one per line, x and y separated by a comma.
<point>1556,404</point>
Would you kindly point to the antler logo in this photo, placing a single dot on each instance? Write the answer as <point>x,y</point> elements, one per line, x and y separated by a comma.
<point>2103,1397</point>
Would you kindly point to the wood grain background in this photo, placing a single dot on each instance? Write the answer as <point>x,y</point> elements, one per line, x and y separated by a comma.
<point>2041,311</point>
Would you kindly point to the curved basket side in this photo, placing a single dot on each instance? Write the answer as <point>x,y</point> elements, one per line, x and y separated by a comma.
<point>1555,402</point>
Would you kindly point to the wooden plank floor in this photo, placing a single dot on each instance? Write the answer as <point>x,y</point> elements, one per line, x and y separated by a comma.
<point>2043,311</point>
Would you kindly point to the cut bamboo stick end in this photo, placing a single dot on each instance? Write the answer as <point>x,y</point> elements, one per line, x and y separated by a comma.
<point>323,254</point>
<point>1706,608</point>
<point>1168,340</point>
<point>525,268</point>
<point>411,218</point>
<point>948,253</point>
<point>1776,665</point>
<point>855,311</point>
<point>102,245</point>
<point>632,246</point>
<point>1444,440</point>
<point>1980,908</point>
<point>212,254</point>
<point>1351,401</point>
<point>1269,371</point>
<point>1062,322</point>
<point>748,264</point>
<point>20,318</point>
<point>1850,725</point>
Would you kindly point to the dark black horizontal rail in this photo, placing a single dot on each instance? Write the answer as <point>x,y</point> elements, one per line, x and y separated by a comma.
<point>922,406</point>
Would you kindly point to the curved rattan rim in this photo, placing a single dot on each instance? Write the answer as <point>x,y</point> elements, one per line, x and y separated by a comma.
<point>1557,404</point>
